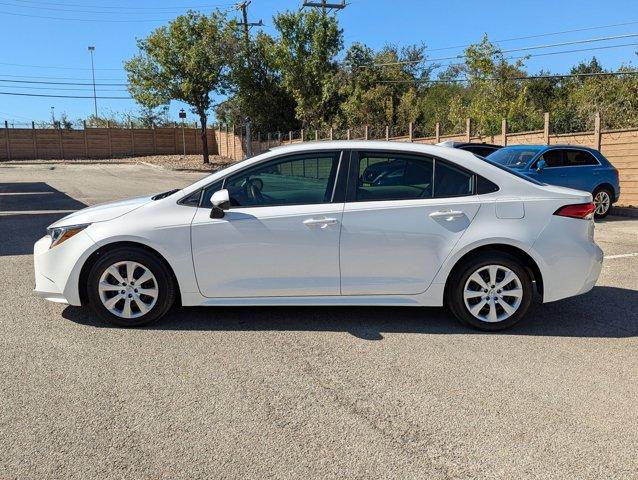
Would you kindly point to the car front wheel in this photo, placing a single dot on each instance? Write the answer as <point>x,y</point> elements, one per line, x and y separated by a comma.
<point>490,292</point>
<point>130,287</point>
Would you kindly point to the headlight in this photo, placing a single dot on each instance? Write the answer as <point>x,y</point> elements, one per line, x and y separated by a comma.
<point>61,234</point>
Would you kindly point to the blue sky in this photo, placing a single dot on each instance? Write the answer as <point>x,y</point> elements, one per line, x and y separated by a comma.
<point>48,39</point>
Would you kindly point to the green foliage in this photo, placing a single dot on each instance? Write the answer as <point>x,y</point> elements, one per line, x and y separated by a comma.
<point>306,56</point>
<point>186,60</point>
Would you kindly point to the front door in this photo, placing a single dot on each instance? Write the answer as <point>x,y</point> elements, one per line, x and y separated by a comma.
<point>555,171</point>
<point>281,234</point>
<point>404,215</point>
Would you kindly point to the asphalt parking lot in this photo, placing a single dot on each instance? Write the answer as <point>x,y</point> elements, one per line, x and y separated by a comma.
<point>305,392</point>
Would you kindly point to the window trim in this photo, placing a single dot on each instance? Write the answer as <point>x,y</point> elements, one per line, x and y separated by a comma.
<point>336,183</point>
<point>353,175</point>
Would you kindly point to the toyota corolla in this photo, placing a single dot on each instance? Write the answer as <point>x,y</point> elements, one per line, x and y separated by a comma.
<point>331,223</point>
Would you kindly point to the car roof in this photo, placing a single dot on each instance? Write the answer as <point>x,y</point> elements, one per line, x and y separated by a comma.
<point>547,147</point>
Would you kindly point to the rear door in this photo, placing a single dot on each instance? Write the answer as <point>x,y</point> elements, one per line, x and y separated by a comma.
<point>584,169</point>
<point>402,221</point>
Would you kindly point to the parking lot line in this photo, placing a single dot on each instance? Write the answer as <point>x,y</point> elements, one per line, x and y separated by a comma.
<point>621,255</point>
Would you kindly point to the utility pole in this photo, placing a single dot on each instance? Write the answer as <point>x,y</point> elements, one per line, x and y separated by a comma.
<point>323,4</point>
<point>243,6</point>
<point>91,50</point>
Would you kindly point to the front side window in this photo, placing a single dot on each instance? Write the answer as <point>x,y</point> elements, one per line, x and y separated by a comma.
<point>293,180</point>
<point>513,157</point>
<point>393,177</point>
<point>579,158</point>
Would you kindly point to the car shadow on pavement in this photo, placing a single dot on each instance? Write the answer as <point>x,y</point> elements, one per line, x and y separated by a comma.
<point>26,209</point>
<point>605,312</point>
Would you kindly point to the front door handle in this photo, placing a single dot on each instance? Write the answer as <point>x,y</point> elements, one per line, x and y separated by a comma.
<point>320,222</point>
<point>448,215</point>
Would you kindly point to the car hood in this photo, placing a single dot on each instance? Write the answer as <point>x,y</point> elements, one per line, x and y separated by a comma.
<point>102,212</point>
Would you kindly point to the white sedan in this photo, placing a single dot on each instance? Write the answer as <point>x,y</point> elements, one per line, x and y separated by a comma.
<point>331,223</point>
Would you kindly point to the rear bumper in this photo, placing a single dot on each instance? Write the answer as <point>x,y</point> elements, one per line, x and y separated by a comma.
<point>572,260</point>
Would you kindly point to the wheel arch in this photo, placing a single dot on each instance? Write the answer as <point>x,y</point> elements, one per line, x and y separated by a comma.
<point>103,249</point>
<point>526,259</point>
<point>607,186</point>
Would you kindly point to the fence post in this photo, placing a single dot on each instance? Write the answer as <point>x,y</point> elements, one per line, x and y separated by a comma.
<point>154,140</point>
<point>6,132</point>
<point>302,140</point>
<point>227,141</point>
<point>410,131</point>
<point>597,132</point>
<point>290,136</point>
<point>132,139</point>
<point>35,141</point>
<point>468,129</point>
<point>110,139</point>
<point>366,132</point>
<point>316,135</point>
<point>387,133</point>
<point>546,129</point>
<point>437,132</point>
<point>504,131</point>
<point>234,157</point>
<point>331,133</point>
<point>86,141</point>
<point>61,143</point>
<point>269,140</point>
<point>348,134</point>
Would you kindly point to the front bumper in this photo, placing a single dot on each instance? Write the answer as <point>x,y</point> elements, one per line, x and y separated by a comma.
<point>57,270</point>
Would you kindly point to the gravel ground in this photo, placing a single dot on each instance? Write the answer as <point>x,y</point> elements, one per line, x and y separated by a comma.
<point>172,162</point>
<point>403,393</point>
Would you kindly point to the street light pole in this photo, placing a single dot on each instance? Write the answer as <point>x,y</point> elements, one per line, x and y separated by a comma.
<point>91,50</point>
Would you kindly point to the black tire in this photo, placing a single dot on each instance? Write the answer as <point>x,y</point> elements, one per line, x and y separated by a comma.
<point>455,299</point>
<point>610,194</point>
<point>165,285</point>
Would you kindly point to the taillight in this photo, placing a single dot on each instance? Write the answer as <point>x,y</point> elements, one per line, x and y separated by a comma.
<point>582,210</point>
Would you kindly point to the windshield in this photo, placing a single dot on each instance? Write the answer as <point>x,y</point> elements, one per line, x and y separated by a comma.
<point>514,172</point>
<point>513,157</point>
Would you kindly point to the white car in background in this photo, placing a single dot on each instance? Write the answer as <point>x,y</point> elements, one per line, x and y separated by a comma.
<point>331,223</point>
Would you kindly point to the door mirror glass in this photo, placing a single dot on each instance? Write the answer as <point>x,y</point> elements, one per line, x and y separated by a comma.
<point>220,201</point>
<point>540,165</point>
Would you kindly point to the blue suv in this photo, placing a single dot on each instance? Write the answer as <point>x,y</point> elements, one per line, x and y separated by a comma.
<point>570,166</point>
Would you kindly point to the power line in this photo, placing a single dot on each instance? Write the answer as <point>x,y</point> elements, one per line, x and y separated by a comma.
<point>540,35</point>
<point>530,77</point>
<point>154,8</point>
<point>119,11</point>
<point>521,49</point>
<point>65,83</point>
<point>62,96</point>
<point>100,20</point>
<point>56,68</point>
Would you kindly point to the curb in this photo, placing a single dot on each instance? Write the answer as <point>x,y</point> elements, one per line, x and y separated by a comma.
<point>631,212</point>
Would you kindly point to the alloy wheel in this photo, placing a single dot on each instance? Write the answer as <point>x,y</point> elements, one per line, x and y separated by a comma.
<point>128,289</point>
<point>602,202</point>
<point>493,293</point>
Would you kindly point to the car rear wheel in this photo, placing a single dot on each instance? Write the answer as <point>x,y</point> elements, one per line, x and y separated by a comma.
<point>130,287</point>
<point>602,202</point>
<point>490,292</point>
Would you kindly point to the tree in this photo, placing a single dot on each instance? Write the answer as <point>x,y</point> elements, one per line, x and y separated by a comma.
<point>308,44</point>
<point>186,60</point>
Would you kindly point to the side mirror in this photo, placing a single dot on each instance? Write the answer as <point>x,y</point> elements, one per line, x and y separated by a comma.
<point>540,165</point>
<point>221,201</point>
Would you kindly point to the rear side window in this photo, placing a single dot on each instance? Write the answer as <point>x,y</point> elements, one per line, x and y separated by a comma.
<point>451,181</point>
<point>553,158</point>
<point>577,158</point>
<point>393,177</point>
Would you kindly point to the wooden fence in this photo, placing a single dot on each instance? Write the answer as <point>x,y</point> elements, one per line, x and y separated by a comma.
<point>620,147</point>
<point>59,143</point>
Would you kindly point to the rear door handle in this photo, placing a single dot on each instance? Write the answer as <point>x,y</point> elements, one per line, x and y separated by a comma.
<point>448,215</point>
<point>320,222</point>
